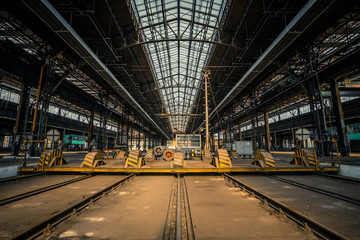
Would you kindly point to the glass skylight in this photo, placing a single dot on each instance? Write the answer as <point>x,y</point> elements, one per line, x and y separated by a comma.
<point>177,36</point>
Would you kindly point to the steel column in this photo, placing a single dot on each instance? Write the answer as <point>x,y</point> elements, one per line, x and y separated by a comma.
<point>21,117</point>
<point>90,130</point>
<point>267,131</point>
<point>340,124</point>
<point>239,125</point>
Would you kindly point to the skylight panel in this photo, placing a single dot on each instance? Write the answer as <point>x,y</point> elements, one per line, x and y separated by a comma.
<point>178,61</point>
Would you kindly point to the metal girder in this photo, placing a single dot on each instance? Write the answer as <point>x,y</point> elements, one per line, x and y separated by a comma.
<point>29,72</point>
<point>45,11</point>
<point>343,65</point>
<point>182,170</point>
<point>307,15</point>
<point>230,45</point>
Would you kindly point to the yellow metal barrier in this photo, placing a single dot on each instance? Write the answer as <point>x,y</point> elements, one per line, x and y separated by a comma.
<point>263,158</point>
<point>235,156</point>
<point>51,158</point>
<point>222,159</point>
<point>122,155</point>
<point>305,157</point>
<point>206,155</point>
<point>93,159</point>
<point>149,156</point>
<point>178,160</point>
<point>134,159</point>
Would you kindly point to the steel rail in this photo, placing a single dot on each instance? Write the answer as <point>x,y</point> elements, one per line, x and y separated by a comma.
<point>178,224</point>
<point>187,212</point>
<point>38,229</point>
<point>10,179</point>
<point>351,179</point>
<point>317,190</point>
<point>40,190</point>
<point>317,228</point>
<point>178,210</point>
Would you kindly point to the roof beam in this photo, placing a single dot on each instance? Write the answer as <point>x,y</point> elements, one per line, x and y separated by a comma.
<point>46,11</point>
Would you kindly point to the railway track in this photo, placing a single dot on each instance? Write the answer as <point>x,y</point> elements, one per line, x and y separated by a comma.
<point>41,190</point>
<point>350,179</point>
<point>196,205</point>
<point>178,223</point>
<point>317,190</point>
<point>16,178</point>
<point>303,221</point>
<point>46,225</point>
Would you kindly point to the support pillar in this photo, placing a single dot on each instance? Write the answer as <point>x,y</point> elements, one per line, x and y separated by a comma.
<point>267,131</point>
<point>117,134</point>
<point>131,138</point>
<point>90,130</point>
<point>218,139</point>
<point>21,118</point>
<point>240,136</point>
<point>340,124</point>
<point>144,142</point>
<point>254,139</point>
<point>138,140</point>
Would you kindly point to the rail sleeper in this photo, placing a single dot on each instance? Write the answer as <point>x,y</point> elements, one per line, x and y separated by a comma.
<point>134,159</point>
<point>263,158</point>
<point>93,159</point>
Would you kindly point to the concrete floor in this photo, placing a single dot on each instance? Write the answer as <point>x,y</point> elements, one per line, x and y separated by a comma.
<point>20,215</point>
<point>338,215</point>
<point>221,212</point>
<point>138,211</point>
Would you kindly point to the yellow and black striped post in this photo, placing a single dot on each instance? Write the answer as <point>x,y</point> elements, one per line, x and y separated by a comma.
<point>51,158</point>
<point>134,159</point>
<point>222,159</point>
<point>93,159</point>
<point>263,158</point>
<point>122,155</point>
<point>305,157</point>
<point>207,155</point>
<point>149,156</point>
<point>235,156</point>
<point>178,160</point>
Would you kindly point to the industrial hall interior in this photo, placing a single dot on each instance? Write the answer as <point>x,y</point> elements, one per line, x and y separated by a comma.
<point>179,119</point>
